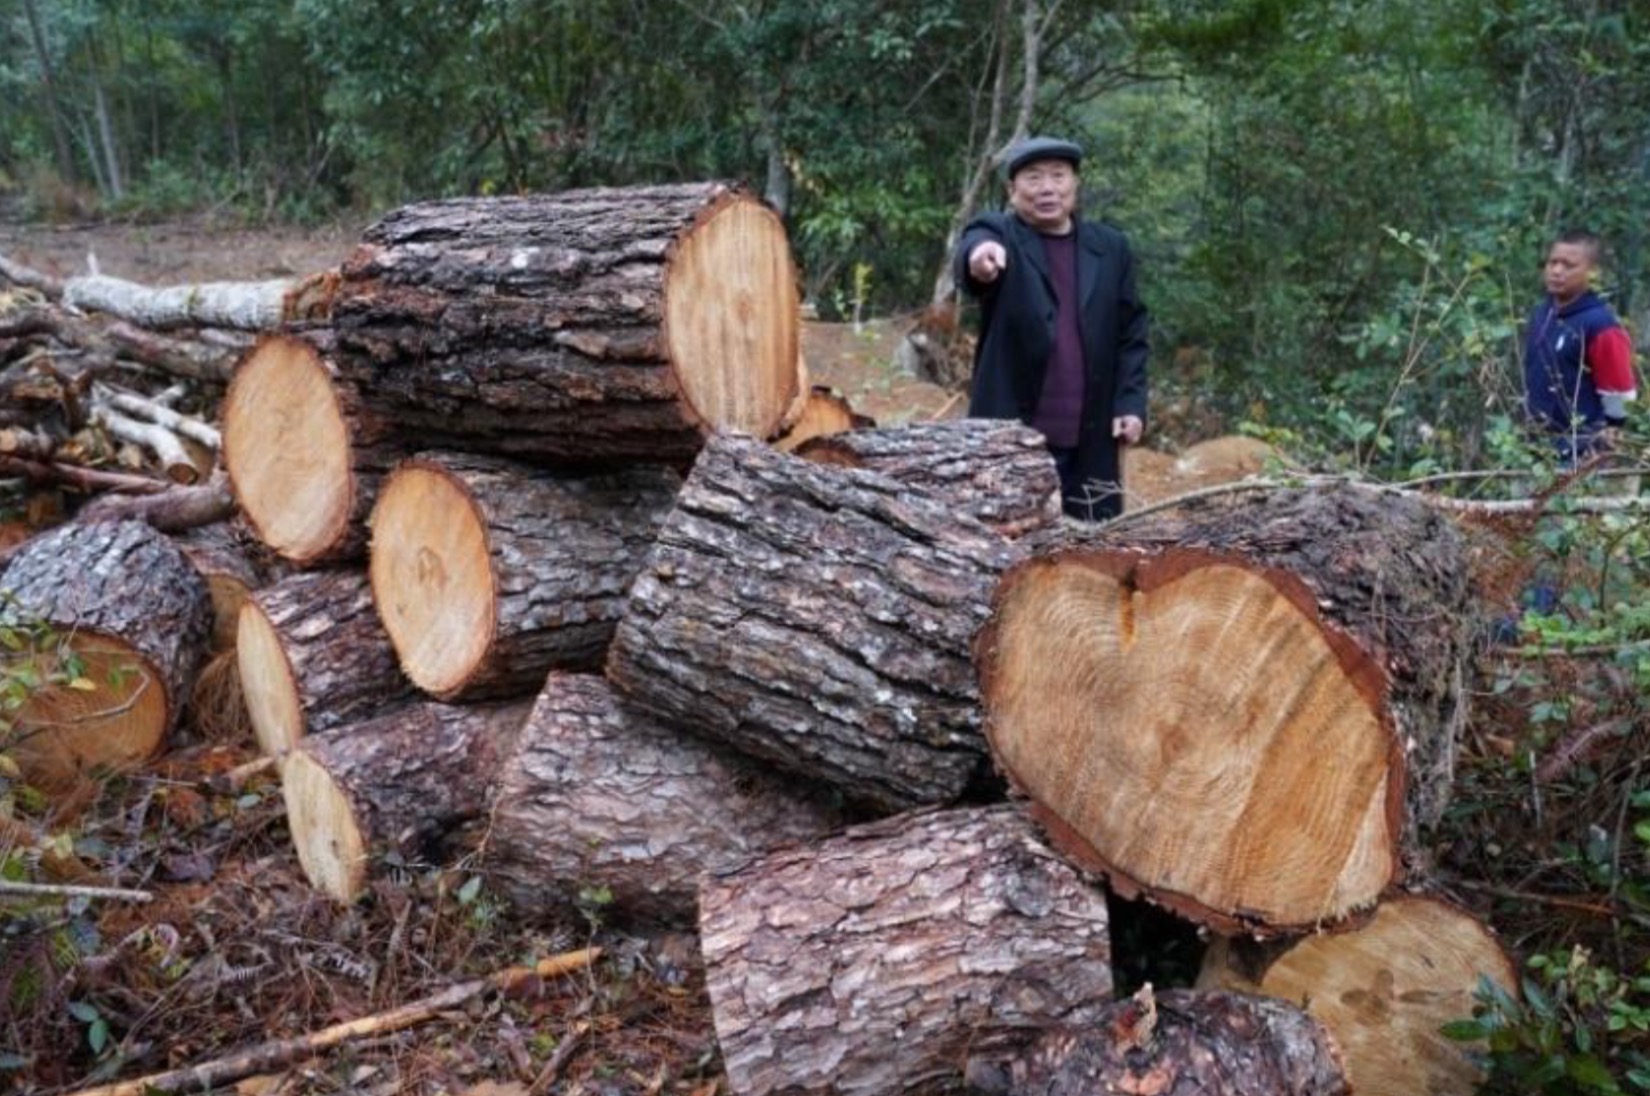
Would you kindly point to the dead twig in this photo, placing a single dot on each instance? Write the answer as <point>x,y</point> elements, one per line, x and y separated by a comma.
<point>64,890</point>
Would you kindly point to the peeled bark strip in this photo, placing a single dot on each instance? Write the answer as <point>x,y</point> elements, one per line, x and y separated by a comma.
<point>127,603</point>
<point>818,618</point>
<point>998,472</point>
<point>488,574</point>
<point>599,795</point>
<point>580,327</point>
<point>1245,714</point>
<point>1383,990</point>
<point>823,412</point>
<point>880,960</point>
<point>391,783</point>
<point>312,656</point>
<point>1185,1043</point>
<point>304,458</point>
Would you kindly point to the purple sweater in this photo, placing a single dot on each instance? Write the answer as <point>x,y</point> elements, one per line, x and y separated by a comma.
<point>1059,411</point>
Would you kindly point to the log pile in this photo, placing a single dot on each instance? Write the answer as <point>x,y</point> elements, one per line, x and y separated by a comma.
<point>547,564</point>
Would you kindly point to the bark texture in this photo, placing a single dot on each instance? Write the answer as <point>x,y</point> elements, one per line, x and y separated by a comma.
<point>1185,1043</point>
<point>535,327</point>
<point>996,471</point>
<point>818,618</point>
<point>556,557</point>
<point>599,795</point>
<point>247,306</point>
<point>879,960</point>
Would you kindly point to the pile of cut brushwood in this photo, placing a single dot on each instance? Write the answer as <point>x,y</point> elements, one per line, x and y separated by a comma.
<point>520,515</point>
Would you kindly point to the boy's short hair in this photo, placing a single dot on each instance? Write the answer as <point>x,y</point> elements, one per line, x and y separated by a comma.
<point>1580,237</point>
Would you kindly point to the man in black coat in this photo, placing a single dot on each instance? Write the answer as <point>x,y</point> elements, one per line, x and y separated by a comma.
<point>1062,331</point>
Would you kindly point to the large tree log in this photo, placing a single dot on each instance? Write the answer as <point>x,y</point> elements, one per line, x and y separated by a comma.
<point>304,457</point>
<point>818,618</point>
<point>232,565</point>
<point>598,795</point>
<point>392,783</point>
<point>1185,1043</point>
<point>879,960</point>
<point>1383,990</point>
<point>586,326</point>
<point>997,471</point>
<point>128,619</point>
<point>488,574</point>
<point>1245,714</point>
<point>312,656</point>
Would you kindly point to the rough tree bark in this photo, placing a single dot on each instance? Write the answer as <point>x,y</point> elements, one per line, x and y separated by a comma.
<point>1167,694</point>
<point>879,960</point>
<point>996,471</point>
<point>129,606</point>
<point>581,327</point>
<point>599,795</point>
<point>487,573</point>
<point>818,618</point>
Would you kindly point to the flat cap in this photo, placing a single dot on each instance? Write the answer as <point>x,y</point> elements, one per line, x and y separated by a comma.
<point>1033,149</point>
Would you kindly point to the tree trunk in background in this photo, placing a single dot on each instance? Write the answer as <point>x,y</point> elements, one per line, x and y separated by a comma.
<point>60,131</point>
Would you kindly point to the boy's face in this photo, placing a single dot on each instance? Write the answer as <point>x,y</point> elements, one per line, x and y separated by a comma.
<point>1569,266</point>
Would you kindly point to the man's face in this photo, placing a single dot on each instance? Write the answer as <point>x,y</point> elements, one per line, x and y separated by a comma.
<point>1044,194</point>
<point>1569,266</point>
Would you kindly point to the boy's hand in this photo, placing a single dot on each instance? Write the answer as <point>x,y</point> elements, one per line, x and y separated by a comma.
<point>986,261</point>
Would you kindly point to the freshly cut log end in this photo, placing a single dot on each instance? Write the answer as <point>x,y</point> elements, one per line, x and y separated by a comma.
<point>487,573</point>
<point>126,619</point>
<point>823,413</point>
<point>1187,1042</point>
<point>394,782</point>
<point>1383,990</point>
<point>879,960</point>
<point>1242,716</point>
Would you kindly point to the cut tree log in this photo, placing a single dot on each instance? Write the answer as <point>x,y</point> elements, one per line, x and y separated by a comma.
<point>818,618</point>
<point>126,619</point>
<point>392,783</point>
<point>246,306</point>
<point>1247,714</point>
<point>878,961</point>
<point>1383,990</point>
<point>232,565</point>
<point>305,459</point>
<point>823,412</point>
<point>488,574</point>
<point>1185,1043</point>
<point>313,656</point>
<point>597,795</point>
<point>999,472</point>
<point>582,327</point>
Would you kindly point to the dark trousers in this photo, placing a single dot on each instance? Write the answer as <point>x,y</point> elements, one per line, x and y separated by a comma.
<point>1080,499</point>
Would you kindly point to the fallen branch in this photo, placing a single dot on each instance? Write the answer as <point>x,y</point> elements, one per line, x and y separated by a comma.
<point>157,439</point>
<point>283,1052</point>
<point>64,890</point>
<point>245,306</point>
<point>72,475</point>
<point>156,411</point>
<point>18,274</point>
<point>28,444</point>
<point>171,510</point>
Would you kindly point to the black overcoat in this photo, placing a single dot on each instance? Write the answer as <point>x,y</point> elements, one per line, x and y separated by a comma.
<point>1017,321</point>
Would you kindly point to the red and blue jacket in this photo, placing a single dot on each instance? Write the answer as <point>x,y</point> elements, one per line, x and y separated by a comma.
<point>1578,371</point>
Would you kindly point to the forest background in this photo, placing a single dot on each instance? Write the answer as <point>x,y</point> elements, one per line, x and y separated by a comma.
<point>1340,210</point>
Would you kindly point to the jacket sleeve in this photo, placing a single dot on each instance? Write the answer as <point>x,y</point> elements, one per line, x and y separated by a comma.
<point>1132,346</point>
<point>1610,356</point>
<point>984,227</point>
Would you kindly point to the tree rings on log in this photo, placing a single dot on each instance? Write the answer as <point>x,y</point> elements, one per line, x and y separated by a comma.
<point>487,573</point>
<point>1245,714</point>
<point>303,458</point>
<point>598,795</point>
<point>879,960</point>
<point>818,618</point>
<point>393,782</point>
<point>124,619</point>
<point>583,327</point>
<point>1383,990</point>
<point>313,655</point>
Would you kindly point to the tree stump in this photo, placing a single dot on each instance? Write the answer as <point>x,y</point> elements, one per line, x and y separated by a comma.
<point>392,783</point>
<point>599,796</point>
<point>313,656</point>
<point>488,574</point>
<point>304,456</point>
<point>997,471</point>
<point>584,327</point>
<point>1383,990</point>
<point>126,619</point>
<point>878,961</point>
<point>823,412</point>
<point>1245,714</point>
<point>1185,1043</point>
<point>818,618</point>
